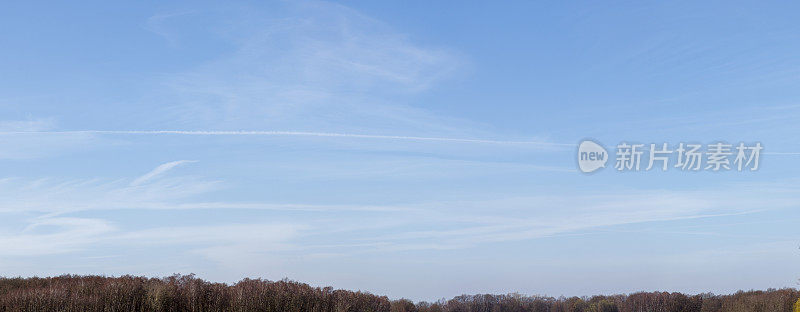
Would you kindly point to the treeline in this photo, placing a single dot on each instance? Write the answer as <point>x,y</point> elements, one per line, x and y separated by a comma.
<point>187,293</point>
<point>176,293</point>
<point>782,300</point>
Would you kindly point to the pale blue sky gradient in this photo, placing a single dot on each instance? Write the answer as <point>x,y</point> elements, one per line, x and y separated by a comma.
<point>389,203</point>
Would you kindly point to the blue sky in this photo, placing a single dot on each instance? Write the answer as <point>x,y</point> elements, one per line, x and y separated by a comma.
<point>407,148</point>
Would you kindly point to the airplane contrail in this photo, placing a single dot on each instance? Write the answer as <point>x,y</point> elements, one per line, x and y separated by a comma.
<point>317,134</point>
<point>289,133</point>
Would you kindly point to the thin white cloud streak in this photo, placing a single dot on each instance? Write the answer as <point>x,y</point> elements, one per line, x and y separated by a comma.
<point>64,235</point>
<point>158,171</point>
<point>313,134</point>
<point>225,233</point>
<point>72,234</point>
<point>58,197</point>
<point>292,133</point>
<point>156,25</point>
<point>380,228</point>
<point>39,146</point>
<point>40,124</point>
<point>446,225</point>
<point>484,222</point>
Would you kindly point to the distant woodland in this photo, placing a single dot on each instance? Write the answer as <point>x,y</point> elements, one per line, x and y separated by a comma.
<point>187,293</point>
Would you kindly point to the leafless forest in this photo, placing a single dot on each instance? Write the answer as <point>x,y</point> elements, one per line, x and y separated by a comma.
<point>187,293</point>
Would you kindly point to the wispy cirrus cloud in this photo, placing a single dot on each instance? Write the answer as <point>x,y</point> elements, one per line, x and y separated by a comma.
<point>59,196</point>
<point>157,25</point>
<point>324,68</point>
<point>158,171</point>
<point>44,236</point>
<point>330,229</point>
